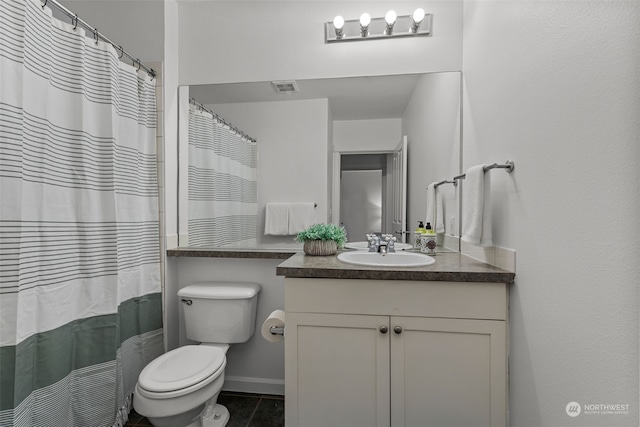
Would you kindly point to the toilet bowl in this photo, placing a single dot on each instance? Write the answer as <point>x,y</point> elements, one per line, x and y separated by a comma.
<point>181,387</point>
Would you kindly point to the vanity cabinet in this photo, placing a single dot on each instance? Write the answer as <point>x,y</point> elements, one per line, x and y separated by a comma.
<point>395,353</point>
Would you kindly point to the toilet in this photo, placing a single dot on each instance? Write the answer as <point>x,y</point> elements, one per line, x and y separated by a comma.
<point>181,387</point>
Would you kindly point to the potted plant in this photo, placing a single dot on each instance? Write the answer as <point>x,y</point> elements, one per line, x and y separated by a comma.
<point>322,239</point>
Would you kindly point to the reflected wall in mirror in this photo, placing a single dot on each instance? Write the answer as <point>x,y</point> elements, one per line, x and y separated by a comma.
<point>310,139</point>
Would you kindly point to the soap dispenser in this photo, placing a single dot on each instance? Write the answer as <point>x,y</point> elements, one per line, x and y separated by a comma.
<point>418,234</point>
<point>428,241</point>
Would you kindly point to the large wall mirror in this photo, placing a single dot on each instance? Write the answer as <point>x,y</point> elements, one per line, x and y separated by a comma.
<point>332,142</point>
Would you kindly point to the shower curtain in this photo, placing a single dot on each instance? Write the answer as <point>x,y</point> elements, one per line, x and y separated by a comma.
<point>80,302</point>
<point>223,197</point>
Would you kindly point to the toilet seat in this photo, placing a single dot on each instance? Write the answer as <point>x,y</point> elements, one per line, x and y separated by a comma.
<point>181,371</point>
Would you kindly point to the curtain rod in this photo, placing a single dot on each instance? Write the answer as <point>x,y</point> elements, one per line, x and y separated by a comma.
<point>75,20</point>
<point>218,117</point>
<point>508,166</point>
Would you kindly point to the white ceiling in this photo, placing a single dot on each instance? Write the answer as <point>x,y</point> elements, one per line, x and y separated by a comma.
<point>350,98</point>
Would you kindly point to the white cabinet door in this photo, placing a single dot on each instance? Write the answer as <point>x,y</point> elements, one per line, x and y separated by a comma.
<point>448,372</point>
<point>336,370</point>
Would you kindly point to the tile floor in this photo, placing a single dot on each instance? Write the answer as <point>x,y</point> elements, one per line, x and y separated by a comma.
<point>246,409</point>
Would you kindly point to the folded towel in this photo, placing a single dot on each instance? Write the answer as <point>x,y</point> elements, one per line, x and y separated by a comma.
<point>301,216</point>
<point>276,219</point>
<point>430,217</point>
<point>476,207</point>
<point>439,227</point>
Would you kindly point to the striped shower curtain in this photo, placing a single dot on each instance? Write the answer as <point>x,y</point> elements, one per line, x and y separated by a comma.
<point>223,197</point>
<point>80,302</point>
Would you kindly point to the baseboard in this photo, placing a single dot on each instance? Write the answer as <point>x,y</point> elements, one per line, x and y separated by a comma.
<point>254,385</point>
<point>171,241</point>
<point>497,256</point>
<point>505,258</point>
<point>450,242</point>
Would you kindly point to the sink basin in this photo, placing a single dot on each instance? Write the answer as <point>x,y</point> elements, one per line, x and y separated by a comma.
<point>365,245</point>
<point>396,259</point>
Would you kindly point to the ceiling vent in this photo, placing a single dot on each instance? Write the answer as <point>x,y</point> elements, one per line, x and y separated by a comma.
<point>285,86</point>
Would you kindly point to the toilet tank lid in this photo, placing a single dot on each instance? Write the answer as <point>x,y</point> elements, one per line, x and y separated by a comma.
<point>220,290</point>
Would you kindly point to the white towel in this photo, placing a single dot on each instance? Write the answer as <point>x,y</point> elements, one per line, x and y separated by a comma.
<point>430,217</point>
<point>301,216</point>
<point>476,207</point>
<point>439,223</point>
<point>276,219</point>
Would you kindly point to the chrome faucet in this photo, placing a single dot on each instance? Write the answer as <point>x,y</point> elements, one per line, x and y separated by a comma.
<point>384,244</point>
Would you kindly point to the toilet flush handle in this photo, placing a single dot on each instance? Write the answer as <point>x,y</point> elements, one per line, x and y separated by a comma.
<point>186,301</point>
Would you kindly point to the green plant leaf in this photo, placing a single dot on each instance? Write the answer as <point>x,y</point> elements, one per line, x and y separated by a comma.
<point>324,232</point>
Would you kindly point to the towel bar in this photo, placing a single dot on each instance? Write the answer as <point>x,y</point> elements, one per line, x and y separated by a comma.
<point>508,166</point>
<point>438,184</point>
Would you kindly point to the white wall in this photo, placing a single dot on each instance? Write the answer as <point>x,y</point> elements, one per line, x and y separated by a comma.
<point>366,135</point>
<point>432,125</point>
<point>292,152</point>
<point>256,366</point>
<point>554,86</point>
<point>137,25</point>
<point>235,41</point>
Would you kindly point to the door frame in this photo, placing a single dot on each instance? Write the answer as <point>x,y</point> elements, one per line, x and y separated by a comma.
<point>335,193</point>
<point>334,213</point>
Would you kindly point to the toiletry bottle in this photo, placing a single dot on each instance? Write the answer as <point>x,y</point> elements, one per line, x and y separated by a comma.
<point>428,241</point>
<point>417,234</point>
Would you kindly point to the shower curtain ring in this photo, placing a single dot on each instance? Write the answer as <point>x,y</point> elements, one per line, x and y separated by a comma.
<point>74,21</point>
<point>121,51</point>
<point>44,4</point>
<point>95,34</point>
<point>139,64</point>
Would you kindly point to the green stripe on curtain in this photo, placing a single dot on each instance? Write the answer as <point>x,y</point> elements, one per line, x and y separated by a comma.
<point>52,355</point>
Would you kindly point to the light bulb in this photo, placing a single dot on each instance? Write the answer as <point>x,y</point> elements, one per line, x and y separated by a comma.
<point>365,20</point>
<point>390,17</point>
<point>338,22</point>
<point>418,15</point>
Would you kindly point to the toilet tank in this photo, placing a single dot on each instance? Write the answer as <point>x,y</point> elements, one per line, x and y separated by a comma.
<point>219,312</point>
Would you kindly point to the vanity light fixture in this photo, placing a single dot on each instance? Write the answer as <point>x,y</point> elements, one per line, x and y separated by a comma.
<point>418,23</point>
<point>390,20</point>
<point>365,20</point>
<point>417,17</point>
<point>338,25</point>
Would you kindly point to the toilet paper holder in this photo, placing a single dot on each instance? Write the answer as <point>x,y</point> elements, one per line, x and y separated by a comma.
<point>275,330</point>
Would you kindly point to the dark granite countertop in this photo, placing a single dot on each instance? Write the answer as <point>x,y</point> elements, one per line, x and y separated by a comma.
<point>449,267</point>
<point>250,253</point>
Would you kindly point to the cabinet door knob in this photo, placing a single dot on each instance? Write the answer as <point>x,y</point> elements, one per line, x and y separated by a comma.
<point>397,329</point>
<point>383,329</point>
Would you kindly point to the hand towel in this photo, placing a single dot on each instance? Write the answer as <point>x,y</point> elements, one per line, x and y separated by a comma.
<point>276,219</point>
<point>439,227</point>
<point>301,216</point>
<point>430,217</point>
<point>476,207</point>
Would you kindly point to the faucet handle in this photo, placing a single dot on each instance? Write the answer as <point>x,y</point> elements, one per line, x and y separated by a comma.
<point>374,242</point>
<point>391,245</point>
